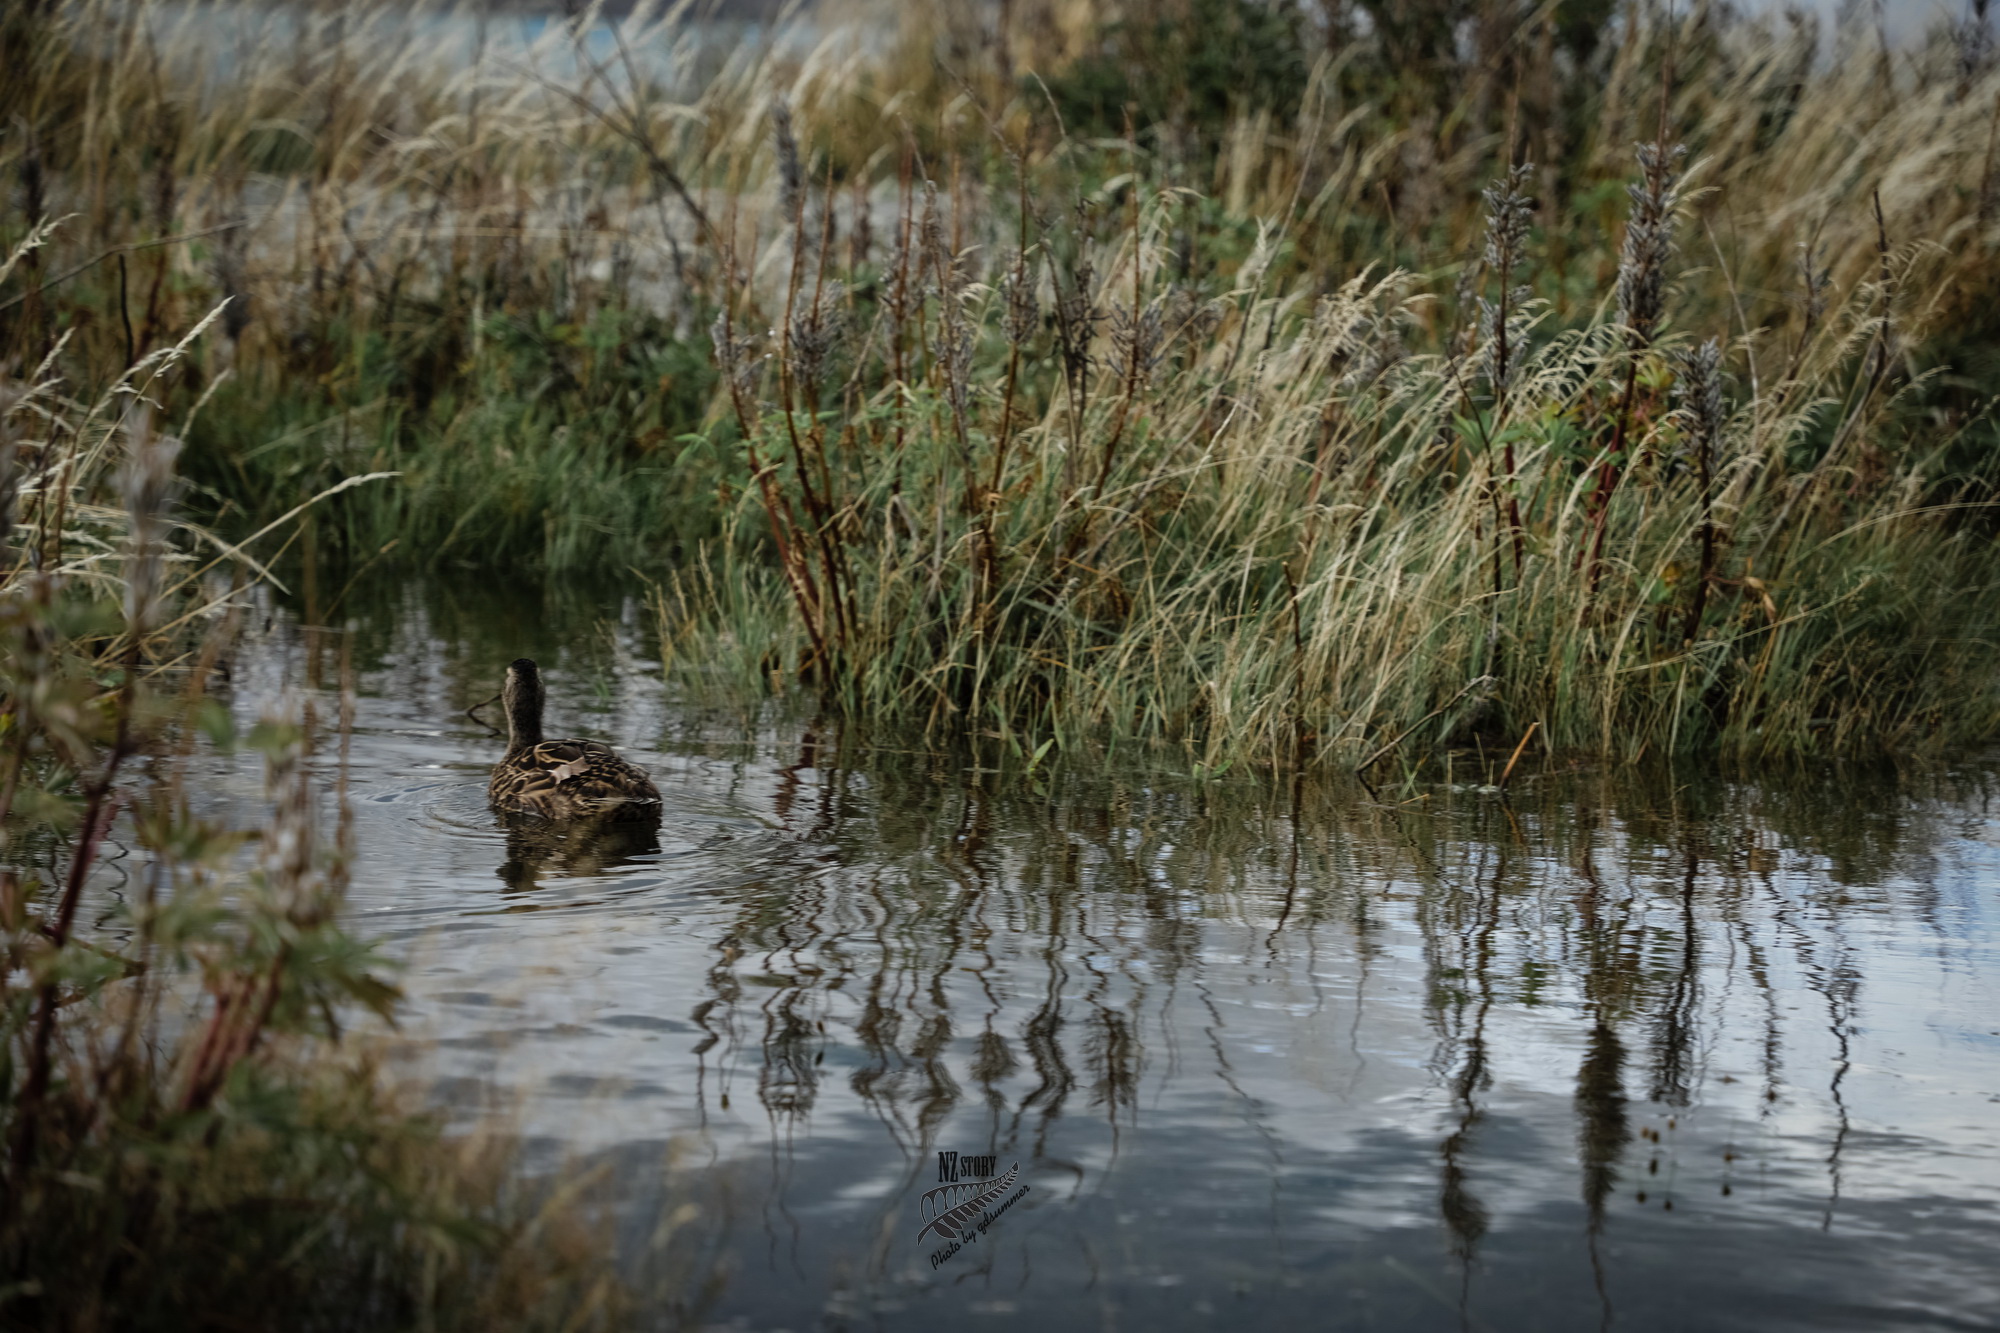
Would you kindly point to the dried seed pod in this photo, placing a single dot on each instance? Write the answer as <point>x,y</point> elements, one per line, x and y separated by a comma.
<point>955,338</point>
<point>791,172</point>
<point>1699,391</point>
<point>1817,280</point>
<point>1464,298</point>
<point>1502,324</point>
<point>1380,350</point>
<point>737,357</point>
<point>945,268</point>
<point>1649,243</point>
<point>861,233</point>
<point>955,345</point>
<point>817,330</point>
<point>1509,212</point>
<point>1137,337</point>
<point>902,285</point>
<point>1076,320</point>
<point>10,477</point>
<point>1206,320</point>
<point>1974,40</point>
<point>1502,337</point>
<point>1023,304</point>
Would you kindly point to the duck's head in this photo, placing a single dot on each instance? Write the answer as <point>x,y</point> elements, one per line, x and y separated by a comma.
<point>522,699</point>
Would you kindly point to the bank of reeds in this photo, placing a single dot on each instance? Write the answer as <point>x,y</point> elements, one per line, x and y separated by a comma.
<point>1062,489</point>
<point>1341,389</point>
<point>185,1139</point>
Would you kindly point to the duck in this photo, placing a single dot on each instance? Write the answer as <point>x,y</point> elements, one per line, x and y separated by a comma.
<point>562,779</point>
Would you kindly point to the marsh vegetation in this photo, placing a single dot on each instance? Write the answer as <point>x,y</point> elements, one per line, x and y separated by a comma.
<point>1443,393</point>
<point>1621,374</point>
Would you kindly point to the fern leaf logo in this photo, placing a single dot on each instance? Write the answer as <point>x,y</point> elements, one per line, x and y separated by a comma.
<point>950,1214</point>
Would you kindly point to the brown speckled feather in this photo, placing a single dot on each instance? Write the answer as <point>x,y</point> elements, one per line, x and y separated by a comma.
<point>563,779</point>
<point>572,780</point>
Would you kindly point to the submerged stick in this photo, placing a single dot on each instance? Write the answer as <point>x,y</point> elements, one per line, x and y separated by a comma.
<point>1515,758</point>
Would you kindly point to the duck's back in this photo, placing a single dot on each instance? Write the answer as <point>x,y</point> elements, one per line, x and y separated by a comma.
<point>572,779</point>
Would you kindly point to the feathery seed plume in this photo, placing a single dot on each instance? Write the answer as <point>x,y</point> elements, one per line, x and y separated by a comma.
<point>791,173</point>
<point>1024,307</point>
<point>1699,391</point>
<point>817,330</point>
<point>1649,243</point>
<point>1503,323</point>
<point>735,356</point>
<point>1076,320</point>
<point>1137,336</point>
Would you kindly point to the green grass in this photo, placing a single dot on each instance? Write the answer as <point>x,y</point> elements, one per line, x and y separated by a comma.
<point>529,461</point>
<point>189,1138</point>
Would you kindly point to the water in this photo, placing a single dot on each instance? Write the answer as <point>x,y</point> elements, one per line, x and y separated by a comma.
<point>1656,1051</point>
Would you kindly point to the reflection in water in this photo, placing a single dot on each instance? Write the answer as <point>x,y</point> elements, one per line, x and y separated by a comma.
<point>1666,1050</point>
<point>539,849</point>
<point>1050,929</point>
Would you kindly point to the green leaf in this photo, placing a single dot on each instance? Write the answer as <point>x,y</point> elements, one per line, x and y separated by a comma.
<point>40,808</point>
<point>272,738</point>
<point>214,722</point>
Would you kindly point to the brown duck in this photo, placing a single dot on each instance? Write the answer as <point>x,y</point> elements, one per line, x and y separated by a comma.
<point>565,779</point>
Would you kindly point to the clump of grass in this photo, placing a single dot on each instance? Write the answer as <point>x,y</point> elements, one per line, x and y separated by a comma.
<point>188,1141</point>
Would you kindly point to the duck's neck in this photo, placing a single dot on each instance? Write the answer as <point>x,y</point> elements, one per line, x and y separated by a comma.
<point>524,710</point>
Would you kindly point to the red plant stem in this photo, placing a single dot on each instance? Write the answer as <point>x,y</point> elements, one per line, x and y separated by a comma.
<point>96,823</point>
<point>229,1038</point>
<point>776,508</point>
<point>840,583</point>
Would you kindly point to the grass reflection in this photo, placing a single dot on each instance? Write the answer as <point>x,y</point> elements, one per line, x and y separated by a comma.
<point>956,938</point>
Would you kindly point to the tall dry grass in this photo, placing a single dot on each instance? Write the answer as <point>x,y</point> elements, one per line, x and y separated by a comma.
<point>1322,385</point>
<point>1082,476</point>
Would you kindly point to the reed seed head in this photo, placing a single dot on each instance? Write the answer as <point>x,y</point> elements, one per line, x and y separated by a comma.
<point>1649,242</point>
<point>1699,391</point>
<point>1509,213</point>
<point>735,356</point>
<point>791,171</point>
<point>1023,303</point>
<point>1076,319</point>
<point>817,330</point>
<point>1137,337</point>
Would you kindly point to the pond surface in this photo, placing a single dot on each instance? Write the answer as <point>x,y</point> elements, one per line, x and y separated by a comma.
<point>1656,1051</point>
